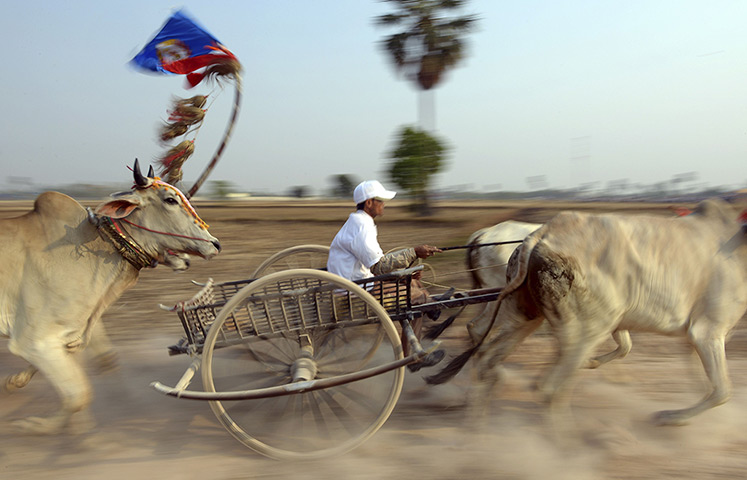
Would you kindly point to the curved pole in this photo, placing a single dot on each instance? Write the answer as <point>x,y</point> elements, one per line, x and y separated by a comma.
<point>291,388</point>
<point>222,146</point>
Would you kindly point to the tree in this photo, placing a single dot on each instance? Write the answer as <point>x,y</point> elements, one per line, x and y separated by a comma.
<point>429,44</point>
<point>343,185</point>
<point>299,191</point>
<point>415,159</point>
<point>222,188</point>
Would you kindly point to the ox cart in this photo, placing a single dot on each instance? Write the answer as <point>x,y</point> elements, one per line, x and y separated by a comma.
<point>298,362</point>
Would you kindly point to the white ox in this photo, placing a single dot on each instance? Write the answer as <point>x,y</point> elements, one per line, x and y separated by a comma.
<point>59,272</point>
<point>488,266</point>
<point>591,275</point>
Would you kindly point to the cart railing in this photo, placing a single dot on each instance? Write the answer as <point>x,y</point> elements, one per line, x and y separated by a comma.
<point>290,305</point>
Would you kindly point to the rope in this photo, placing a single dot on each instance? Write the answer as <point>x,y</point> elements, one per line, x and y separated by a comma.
<point>162,233</point>
<point>468,270</point>
<point>129,249</point>
<point>434,284</point>
<point>438,285</point>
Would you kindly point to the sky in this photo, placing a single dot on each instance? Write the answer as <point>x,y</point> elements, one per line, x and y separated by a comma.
<point>552,94</point>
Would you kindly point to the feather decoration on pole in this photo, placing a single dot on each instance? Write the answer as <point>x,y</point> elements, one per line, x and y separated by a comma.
<point>174,158</point>
<point>182,47</point>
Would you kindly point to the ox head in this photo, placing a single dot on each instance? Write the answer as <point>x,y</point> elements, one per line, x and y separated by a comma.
<point>161,220</point>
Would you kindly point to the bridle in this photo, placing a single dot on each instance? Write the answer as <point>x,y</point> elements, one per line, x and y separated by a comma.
<point>162,233</point>
<point>110,231</point>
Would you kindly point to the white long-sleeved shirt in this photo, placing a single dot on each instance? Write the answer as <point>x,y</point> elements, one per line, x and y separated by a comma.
<point>355,248</point>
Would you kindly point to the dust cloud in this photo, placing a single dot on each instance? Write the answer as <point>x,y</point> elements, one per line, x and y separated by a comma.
<point>431,433</point>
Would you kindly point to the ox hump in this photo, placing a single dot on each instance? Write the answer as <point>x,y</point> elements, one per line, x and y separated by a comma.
<point>57,205</point>
<point>717,209</point>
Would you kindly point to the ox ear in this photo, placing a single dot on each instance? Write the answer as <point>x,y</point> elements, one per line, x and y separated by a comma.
<point>119,207</point>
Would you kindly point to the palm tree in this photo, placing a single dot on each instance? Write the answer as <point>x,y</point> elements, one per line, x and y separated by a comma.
<point>429,44</point>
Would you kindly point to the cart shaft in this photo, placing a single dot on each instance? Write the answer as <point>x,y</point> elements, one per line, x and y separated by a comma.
<point>291,388</point>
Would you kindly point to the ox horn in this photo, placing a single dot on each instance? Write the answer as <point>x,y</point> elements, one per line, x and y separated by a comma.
<point>140,180</point>
<point>151,173</point>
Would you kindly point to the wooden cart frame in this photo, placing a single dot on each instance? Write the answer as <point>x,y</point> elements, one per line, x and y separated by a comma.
<point>302,363</point>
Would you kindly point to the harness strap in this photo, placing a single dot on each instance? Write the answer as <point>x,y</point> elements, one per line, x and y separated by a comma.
<point>130,251</point>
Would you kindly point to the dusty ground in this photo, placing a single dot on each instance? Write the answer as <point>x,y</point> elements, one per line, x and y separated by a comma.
<point>141,434</point>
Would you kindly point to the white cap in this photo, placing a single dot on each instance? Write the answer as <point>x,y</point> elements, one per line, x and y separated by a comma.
<point>371,189</point>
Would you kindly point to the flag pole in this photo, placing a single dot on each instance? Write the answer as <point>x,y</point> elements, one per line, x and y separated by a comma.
<point>224,142</point>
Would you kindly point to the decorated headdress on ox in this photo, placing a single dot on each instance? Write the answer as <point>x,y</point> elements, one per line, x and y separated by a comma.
<point>123,204</point>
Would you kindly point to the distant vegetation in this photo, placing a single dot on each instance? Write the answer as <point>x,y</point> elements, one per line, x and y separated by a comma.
<point>340,189</point>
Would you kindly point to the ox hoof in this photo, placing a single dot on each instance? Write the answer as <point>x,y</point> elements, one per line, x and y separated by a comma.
<point>670,418</point>
<point>16,382</point>
<point>593,363</point>
<point>39,425</point>
<point>75,345</point>
<point>10,386</point>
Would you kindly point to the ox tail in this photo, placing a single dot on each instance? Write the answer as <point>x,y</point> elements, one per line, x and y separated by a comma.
<point>456,364</point>
<point>435,331</point>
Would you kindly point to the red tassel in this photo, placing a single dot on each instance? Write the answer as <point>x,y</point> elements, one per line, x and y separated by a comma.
<point>183,149</point>
<point>193,79</point>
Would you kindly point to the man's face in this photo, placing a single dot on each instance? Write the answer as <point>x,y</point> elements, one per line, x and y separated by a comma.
<point>374,207</point>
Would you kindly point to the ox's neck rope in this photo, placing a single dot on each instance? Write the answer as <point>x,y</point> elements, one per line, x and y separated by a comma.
<point>128,248</point>
<point>162,233</point>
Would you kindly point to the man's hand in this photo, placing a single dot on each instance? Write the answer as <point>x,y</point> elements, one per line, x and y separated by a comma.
<point>425,251</point>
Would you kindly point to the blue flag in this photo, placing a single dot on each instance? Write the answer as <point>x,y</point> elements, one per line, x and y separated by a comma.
<point>182,47</point>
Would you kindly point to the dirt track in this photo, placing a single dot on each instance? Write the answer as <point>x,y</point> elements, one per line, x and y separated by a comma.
<point>140,433</point>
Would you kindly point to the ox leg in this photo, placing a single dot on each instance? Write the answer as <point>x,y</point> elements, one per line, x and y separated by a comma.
<point>510,329</point>
<point>69,380</point>
<point>101,350</point>
<point>574,349</point>
<point>624,345</point>
<point>711,351</point>
<point>575,344</point>
<point>20,379</point>
<point>478,326</point>
<point>556,387</point>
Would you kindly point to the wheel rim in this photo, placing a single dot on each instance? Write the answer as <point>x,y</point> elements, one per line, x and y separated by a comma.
<point>301,256</point>
<point>311,424</point>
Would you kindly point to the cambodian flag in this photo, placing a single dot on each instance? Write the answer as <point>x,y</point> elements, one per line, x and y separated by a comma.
<point>182,47</point>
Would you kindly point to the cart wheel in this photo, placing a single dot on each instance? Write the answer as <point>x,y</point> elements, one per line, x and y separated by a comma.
<point>316,423</point>
<point>301,256</point>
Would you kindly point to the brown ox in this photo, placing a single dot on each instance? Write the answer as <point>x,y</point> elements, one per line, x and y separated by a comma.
<point>61,267</point>
<point>591,275</point>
